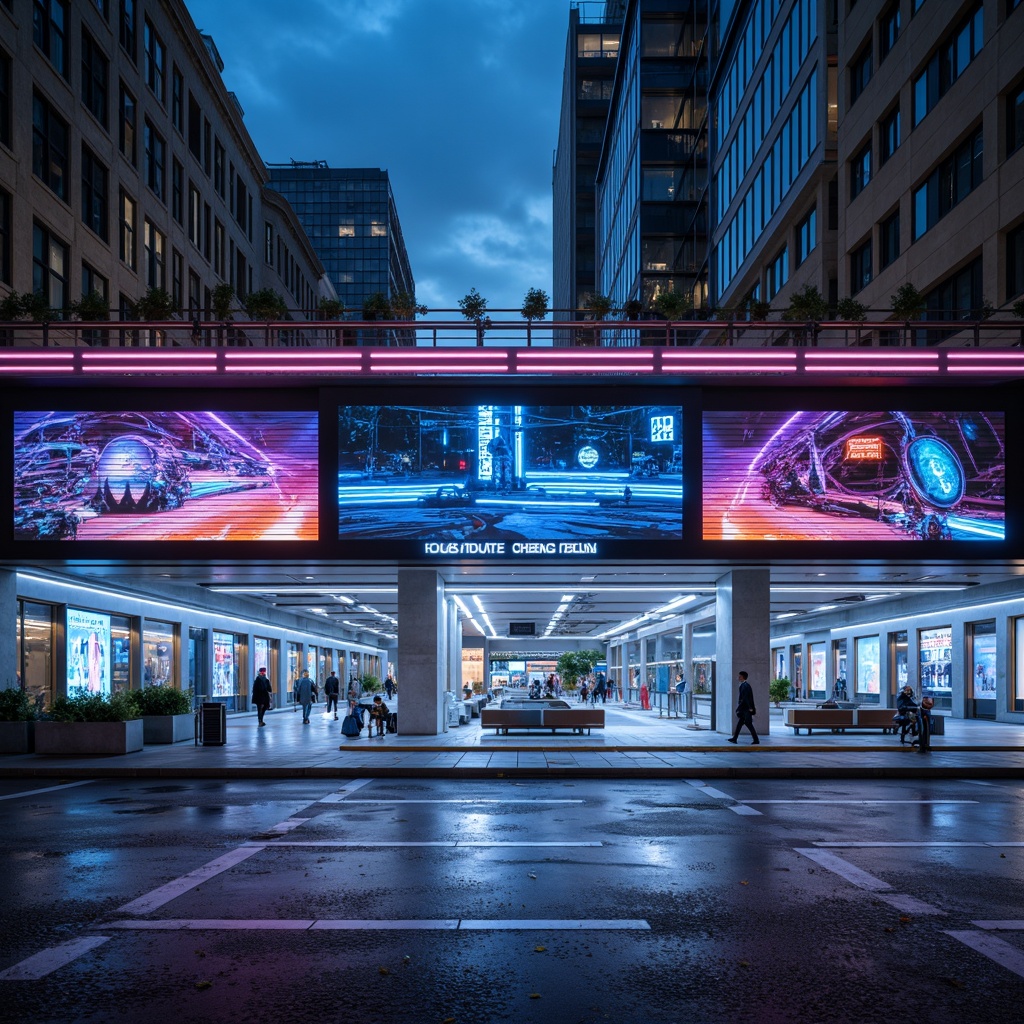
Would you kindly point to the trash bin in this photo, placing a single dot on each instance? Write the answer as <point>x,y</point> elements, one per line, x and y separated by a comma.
<point>213,724</point>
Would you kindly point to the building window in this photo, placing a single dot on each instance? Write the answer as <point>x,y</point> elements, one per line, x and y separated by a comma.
<point>1015,262</point>
<point>268,243</point>
<point>95,72</point>
<point>959,297</point>
<point>195,212</point>
<point>889,134</point>
<point>1015,120</point>
<point>219,157</point>
<point>860,73</point>
<point>178,99</point>
<point>195,296</point>
<point>777,274</point>
<point>5,99</point>
<point>93,282</point>
<point>806,235</point>
<point>207,145</point>
<point>860,267</point>
<point>49,146</point>
<point>888,30</point>
<point>378,229</point>
<point>154,60</point>
<point>948,63</point>
<point>102,7</point>
<point>240,203</point>
<point>218,248</point>
<point>153,255</point>
<point>94,194</point>
<point>594,89</point>
<point>49,267</point>
<point>127,33</point>
<point>953,180</point>
<point>177,191</point>
<point>889,240</point>
<point>5,237</point>
<point>127,117</point>
<point>860,171</point>
<point>207,230</point>
<point>50,31</point>
<point>597,44</point>
<point>195,127</point>
<point>127,243</point>
<point>153,143</point>
<point>177,278</point>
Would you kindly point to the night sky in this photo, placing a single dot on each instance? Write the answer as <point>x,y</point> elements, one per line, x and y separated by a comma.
<point>457,99</point>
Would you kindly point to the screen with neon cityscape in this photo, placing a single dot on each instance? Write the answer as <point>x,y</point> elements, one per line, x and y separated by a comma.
<point>179,476</point>
<point>510,473</point>
<point>853,476</point>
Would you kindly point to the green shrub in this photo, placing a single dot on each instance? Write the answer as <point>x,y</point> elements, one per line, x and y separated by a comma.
<point>161,700</point>
<point>93,707</point>
<point>15,706</point>
<point>370,683</point>
<point>778,689</point>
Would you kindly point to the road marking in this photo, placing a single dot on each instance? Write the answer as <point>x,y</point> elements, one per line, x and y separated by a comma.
<point>444,924</point>
<point>338,798</point>
<point>48,789</point>
<point>736,807</point>
<point>172,890</point>
<point>283,827</point>
<point>908,904</point>
<point>50,960</point>
<point>449,844</point>
<point>845,869</point>
<point>811,801</point>
<point>1000,926</point>
<point>995,949</point>
<point>743,809</point>
<point>914,845</point>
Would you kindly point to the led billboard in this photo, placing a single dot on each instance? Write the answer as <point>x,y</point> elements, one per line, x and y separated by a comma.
<point>180,476</point>
<point>510,479</point>
<point>853,476</point>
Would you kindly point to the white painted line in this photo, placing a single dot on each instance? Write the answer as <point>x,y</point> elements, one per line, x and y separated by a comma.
<point>48,789</point>
<point>995,949</point>
<point>287,825</point>
<point>736,808</point>
<point>211,924</point>
<point>845,869</point>
<point>911,846</point>
<point>908,904</point>
<point>463,842</point>
<point>1000,926</point>
<point>743,809</point>
<point>402,800</point>
<point>718,794</point>
<point>555,925</point>
<point>369,926</point>
<point>50,960</point>
<point>172,890</point>
<point>449,844</point>
<point>812,802</point>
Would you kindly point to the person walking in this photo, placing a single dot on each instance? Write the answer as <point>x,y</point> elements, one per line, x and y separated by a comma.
<point>261,694</point>
<point>389,687</point>
<point>304,696</point>
<point>600,688</point>
<point>745,710</point>
<point>332,690</point>
<point>645,697</point>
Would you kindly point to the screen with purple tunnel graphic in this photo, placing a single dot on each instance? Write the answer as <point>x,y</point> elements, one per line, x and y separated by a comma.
<point>853,476</point>
<point>179,476</point>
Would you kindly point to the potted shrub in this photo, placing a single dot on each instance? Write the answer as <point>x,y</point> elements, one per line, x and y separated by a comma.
<point>90,723</point>
<point>535,307</point>
<point>17,721</point>
<point>573,665</point>
<point>167,713</point>
<point>369,683</point>
<point>778,690</point>
<point>474,307</point>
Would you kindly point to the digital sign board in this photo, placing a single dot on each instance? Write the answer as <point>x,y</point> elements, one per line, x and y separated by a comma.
<point>507,480</point>
<point>854,476</point>
<point>166,476</point>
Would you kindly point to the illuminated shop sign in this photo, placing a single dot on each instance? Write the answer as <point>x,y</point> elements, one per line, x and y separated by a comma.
<point>864,448</point>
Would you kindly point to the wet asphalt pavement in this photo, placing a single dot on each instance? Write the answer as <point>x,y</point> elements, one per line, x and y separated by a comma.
<point>467,902</point>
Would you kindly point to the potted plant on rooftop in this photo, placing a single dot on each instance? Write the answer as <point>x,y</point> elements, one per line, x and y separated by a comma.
<point>90,723</point>
<point>17,721</point>
<point>474,307</point>
<point>167,713</point>
<point>535,307</point>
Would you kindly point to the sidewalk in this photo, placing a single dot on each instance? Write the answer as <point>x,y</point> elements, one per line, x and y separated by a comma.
<point>634,744</point>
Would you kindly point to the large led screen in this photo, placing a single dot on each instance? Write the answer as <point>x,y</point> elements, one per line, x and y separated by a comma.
<point>854,476</point>
<point>145,476</point>
<point>510,479</point>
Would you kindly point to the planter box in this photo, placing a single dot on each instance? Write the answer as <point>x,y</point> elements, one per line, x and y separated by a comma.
<point>88,737</point>
<point>17,737</point>
<point>168,728</point>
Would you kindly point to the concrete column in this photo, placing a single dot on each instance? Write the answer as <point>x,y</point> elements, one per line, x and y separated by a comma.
<point>422,648</point>
<point>10,656</point>
<point>742,642</point>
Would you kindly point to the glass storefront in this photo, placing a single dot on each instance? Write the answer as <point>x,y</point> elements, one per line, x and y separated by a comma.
<point>839,662</point>
<point>981,670</point>
<point>312,655</point>
<point>899,663</point>
<point>198,653</point>
<point>227,666</point>
<point>120,652</point>
<point>34,629</point>
<point>158,654</point>
<point>936,649</point>
<point>294,661</point>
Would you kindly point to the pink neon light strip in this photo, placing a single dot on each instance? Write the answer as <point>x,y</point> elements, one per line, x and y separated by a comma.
<point>978,357</point>
<point>292,368</point>
<point>129,368</point>
<point>895,357</point>
<point>438,368</point>
<point>36,368</point>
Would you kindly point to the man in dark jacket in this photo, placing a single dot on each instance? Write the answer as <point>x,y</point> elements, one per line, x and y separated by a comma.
<point>261,693</point>
<point>745,710</point>
<point>332,689</point>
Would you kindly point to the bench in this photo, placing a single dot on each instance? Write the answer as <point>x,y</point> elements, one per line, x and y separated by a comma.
<point>545,716</point>
<point>840,719</point>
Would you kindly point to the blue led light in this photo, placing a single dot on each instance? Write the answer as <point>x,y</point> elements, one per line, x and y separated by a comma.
<point>935,471</point>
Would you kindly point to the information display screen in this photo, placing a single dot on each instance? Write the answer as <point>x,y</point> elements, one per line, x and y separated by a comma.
<point>854,476</point>
<point>510,479</point>
<point>88,652</point>
<point>179,476</point>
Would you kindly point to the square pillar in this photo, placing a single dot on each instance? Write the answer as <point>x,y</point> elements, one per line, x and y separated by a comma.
<point>422,651</point>
<point>742,642</point>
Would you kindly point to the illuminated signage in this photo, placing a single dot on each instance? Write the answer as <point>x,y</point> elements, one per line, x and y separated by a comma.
<point>663,428</point>
<point>588,457</point>
<point>866,447</point>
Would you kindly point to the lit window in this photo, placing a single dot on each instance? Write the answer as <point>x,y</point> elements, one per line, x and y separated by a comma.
<point>346,229</point>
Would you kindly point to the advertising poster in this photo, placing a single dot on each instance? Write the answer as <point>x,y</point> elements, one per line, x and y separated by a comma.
<point>936,647</point>
<point>867,664</point>
<point>528,475</point>
<point>817,669</point>
<point>108,476</point>
<point>984,666</point>
<point>854,476</point>
<point>225,668</point>
<point>88,638</point>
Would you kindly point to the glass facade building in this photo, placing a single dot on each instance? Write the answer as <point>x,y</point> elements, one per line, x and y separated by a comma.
<point>350,217</point>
